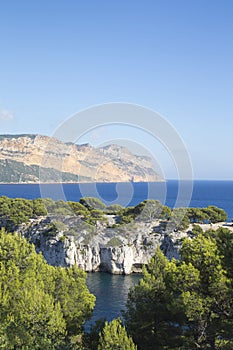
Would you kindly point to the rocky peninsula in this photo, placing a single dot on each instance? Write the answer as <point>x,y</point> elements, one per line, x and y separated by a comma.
<point>99,238</point>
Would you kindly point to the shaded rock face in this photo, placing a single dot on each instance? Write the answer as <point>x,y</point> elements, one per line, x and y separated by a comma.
<point>93,251</point>
<point>36,155</point>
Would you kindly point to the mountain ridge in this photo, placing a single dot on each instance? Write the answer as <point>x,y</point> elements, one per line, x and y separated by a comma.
<point>32,158</point>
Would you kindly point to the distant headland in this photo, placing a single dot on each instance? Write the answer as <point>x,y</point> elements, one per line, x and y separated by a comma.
<point>28,158</point>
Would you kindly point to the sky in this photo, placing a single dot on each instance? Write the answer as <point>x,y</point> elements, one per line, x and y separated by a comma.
<point>174,57</point>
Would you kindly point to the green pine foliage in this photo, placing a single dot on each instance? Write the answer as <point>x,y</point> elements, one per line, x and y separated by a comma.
<point>115,337</point>
<point>77,208</point>
<point>14,212</point>
<point>211,214</point>
<point>113,209</point>
<point>186,304</point>
<point>150,210</point>
<point>92,203</point>
<point>41,307</point>
<point>178,220</point>
<point>150,316</point>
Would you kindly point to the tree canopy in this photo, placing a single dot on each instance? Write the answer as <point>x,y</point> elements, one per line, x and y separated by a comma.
<point>211,214</point>
<point>41,307</point>
<point>92,203</point>
<point>115,337</point>
<point>14,212</point>
<point>185,304</point>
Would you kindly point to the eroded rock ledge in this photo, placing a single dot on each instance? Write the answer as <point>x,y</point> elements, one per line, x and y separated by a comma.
<point>117,250</point>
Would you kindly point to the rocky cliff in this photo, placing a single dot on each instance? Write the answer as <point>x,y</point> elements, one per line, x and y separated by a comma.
<point>34,158</point>
<point>117,250</point>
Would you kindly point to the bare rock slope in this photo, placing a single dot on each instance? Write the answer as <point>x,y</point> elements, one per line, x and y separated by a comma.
<point>33,158</point>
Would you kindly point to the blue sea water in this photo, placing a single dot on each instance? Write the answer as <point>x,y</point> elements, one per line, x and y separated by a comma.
<point>111,293</point>
<point>219,193</point>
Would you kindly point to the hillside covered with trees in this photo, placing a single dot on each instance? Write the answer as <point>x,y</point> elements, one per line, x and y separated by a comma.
<point>41,307</point>
<point>188,303</point>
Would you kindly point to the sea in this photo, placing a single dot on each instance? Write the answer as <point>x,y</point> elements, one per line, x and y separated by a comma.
<point>111,291</point>
<point>199,193</point>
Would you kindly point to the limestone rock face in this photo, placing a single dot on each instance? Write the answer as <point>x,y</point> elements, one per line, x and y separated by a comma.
<point>99,250</point>
<point>112,163</point>
<point>118,260</point>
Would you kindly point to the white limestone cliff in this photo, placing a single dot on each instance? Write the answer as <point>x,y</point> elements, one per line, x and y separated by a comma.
<point>133,245</point>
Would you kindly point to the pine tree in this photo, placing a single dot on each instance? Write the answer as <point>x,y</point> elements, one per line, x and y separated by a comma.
<point>40,306</point>
<point>185,304</point>
<point>115,337</point>
<point>151,315</point>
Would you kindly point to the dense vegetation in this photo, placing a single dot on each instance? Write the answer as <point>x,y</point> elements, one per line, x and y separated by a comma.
<point>114,336</point>
<point>14,212</point>
<point>186,304</point>
<point>41,306</point>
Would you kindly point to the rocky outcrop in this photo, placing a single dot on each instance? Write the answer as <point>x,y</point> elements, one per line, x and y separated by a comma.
<point>117,250</point>
<point>33,158</point>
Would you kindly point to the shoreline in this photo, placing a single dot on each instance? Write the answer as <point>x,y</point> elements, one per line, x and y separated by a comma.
<point>111,182</point>
<point>78,183</point>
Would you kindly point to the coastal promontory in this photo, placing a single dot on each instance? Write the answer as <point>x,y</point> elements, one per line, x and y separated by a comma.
<point>35,158</point>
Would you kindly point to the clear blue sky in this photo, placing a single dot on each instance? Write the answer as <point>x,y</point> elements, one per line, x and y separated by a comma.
<point>173,56</point>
